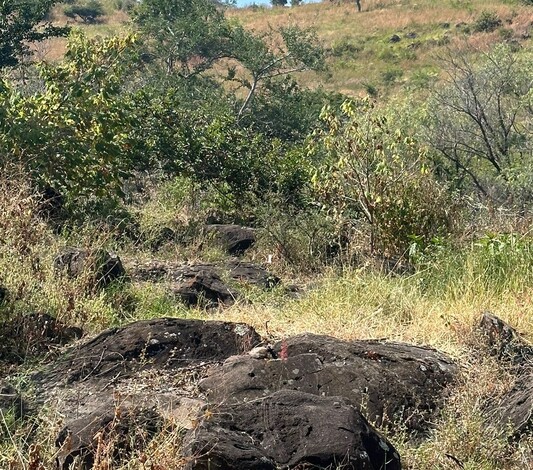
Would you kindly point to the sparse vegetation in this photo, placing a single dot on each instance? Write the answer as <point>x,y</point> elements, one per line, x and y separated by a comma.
<point>382,157</point>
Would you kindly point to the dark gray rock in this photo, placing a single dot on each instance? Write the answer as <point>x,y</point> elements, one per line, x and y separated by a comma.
<point>395,38</point>
<point>202,286</point>
<point>100,267</point>
<point>388,381</point>
<point>235,239</point>
<point>251,273</point>
<point>288,429</point>
<point>164,343</point>
<point>10,401</point>
<point>503,340</point>
<point>512,412</point>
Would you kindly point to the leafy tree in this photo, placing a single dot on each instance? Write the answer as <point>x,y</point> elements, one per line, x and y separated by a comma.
<point>479,122</point>
<point>23,22</point>
<point>279,3</point>
<point>76,134</point>
<point>89,12</point>
<point>274,54</point>
<point>287,111</point>
<point>189,36</point>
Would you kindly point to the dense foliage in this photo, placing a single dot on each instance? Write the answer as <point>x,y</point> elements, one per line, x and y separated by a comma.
<point>22,22</point>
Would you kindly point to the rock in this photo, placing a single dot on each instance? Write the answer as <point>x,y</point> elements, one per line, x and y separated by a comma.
<point>34,334</point>
<point>112,435</point>
<point>164,343</point>
<point>200,286</point>
<point>513,411</point>
<point>156,363</point>
<point>395,38</point>
<point>389,381</point>
<point>411,35</point>
<point>50,204</point>
<point>287,429</point>
<point>503,340</point>
<point>251,273</point>
<point>233,238</point>
<point>100,267</point>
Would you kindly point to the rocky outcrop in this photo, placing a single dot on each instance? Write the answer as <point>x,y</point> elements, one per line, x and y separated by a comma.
<point>100,385</point>
<point>299,403</point>
<point>388,381</point>
<point>201,284</point>
<point>164,343</point>
<point>287,429</point>
<point>99,267</point>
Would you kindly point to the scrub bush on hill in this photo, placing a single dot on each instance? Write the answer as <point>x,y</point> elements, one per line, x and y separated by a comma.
<point>375,178</point>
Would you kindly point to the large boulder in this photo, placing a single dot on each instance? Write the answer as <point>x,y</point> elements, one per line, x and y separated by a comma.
<point>163,343</point>
<point>99,267</point>
<point>232,238</point>
<point>388,381</point>
<point>287,429</point>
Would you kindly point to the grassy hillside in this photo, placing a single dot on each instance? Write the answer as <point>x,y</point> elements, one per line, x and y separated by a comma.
<point>389,46</point>
<point>363,54</point>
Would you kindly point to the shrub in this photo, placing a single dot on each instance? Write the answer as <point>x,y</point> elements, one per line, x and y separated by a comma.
<point>487,22</point>
<point>374,177</point>
<point>90,12</point>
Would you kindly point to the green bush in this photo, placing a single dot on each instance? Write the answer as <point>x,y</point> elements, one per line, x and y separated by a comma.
<point>487,22</point>
<point>375,178</point>
<point>89,12</point>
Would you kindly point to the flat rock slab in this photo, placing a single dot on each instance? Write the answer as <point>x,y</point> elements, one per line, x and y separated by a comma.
<point>287,429</point>
<point>164,343</point>
<point>240,271</point>
<point>387,381</point>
